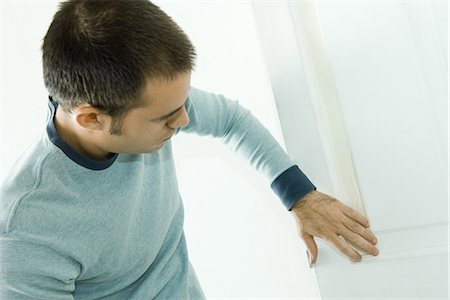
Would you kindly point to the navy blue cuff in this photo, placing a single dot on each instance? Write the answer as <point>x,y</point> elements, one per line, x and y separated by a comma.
<point>291,185</point>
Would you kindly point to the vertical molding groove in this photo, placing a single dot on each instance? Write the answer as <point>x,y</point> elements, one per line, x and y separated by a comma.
<point>326,102</point>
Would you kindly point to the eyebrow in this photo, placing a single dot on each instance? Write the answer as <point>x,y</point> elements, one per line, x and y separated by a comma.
<point>171,113</point>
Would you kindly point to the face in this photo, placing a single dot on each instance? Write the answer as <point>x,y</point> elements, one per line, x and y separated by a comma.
<point>147,129</point>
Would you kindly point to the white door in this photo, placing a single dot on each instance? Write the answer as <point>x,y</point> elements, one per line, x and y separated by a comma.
<point>361,91</point>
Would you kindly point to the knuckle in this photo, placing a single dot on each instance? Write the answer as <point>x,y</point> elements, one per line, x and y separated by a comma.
<point>343,219</point>
<point>368,233</point>
<point>320,231</point>
<point>353,227</point>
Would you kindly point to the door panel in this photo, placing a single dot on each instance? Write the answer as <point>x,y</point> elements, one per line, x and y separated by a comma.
<point>378,72</point>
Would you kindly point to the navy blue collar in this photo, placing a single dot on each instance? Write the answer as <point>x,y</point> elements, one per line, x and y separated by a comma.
<point>67,149</point>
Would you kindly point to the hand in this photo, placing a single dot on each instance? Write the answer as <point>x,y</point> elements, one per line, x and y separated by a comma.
<point>323,216</point>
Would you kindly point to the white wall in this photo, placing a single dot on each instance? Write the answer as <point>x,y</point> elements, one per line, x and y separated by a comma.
<point>23,95</point>
<point>242,241</point>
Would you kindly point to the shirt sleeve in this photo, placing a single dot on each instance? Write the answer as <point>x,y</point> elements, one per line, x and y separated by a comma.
<point>214,115</point>
<point>33,271</point>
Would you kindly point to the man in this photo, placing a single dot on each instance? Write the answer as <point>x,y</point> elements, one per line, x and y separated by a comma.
<point>92,209</point>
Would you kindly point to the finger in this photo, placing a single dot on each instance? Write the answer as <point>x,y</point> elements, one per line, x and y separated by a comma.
<point>351,213</point>
<point>344,248</point>
<point>361,251</point>
<point>362,231</point>
<point>358,241</point>
<point>311,246</point>
<point>354,246</point>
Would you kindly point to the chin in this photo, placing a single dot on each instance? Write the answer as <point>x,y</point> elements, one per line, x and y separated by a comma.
<point>156,148</point>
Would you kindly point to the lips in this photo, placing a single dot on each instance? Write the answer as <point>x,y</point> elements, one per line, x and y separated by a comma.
<point>168,138</point>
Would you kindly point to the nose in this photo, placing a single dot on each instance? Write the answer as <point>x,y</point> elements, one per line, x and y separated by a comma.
<point>181,119</point>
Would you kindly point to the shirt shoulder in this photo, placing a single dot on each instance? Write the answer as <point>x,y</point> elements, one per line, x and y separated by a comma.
<point>23,178</point>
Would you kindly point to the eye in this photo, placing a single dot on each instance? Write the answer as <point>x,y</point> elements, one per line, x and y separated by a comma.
<point>165,119</point>
<point>170,116</point>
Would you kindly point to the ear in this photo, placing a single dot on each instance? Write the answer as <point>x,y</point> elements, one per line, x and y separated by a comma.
<point>90,118</point>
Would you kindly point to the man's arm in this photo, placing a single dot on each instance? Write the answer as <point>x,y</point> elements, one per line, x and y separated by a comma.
<point>321,215</point>
<point>216,116</point>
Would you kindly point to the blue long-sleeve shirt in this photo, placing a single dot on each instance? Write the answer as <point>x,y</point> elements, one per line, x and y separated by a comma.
<point>74,228</point>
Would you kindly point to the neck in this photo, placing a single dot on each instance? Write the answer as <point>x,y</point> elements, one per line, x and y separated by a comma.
<point>78,142</point>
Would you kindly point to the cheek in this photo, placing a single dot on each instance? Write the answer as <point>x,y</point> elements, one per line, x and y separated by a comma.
<point>152,131</point>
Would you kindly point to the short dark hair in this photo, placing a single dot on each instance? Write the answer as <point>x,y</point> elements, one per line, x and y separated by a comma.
<point>104,52</point>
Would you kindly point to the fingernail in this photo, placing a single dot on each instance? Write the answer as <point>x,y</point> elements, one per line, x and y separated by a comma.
<point>310,260</point>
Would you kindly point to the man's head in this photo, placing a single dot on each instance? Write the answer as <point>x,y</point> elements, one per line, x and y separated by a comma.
<point>116,68</point>
<point>108,58</point>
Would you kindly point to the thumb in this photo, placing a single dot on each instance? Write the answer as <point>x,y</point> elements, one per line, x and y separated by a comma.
<point>312,248</point>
